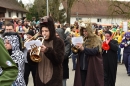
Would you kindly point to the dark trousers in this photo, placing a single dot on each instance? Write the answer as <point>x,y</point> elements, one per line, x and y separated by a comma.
<point>126,58</point>
<point>29,68</point>
<point>74,57</point>
<point>83,76</point>
<point>110,69</point>
<point>119,54</point>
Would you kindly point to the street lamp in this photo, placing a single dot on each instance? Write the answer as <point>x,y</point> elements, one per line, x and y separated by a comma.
<point>47,8</point>
<point>77,13</point>
<point>77,16</point>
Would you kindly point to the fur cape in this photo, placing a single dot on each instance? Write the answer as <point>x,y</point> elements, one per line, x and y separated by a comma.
<point>95,75</point>
<point>92,39</point>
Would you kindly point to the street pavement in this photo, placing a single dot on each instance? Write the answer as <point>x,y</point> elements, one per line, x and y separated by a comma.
<point>122,78</point>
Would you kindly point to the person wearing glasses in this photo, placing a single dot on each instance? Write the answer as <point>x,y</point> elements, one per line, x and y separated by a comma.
<point>8,69</point>
<point>110,60</point>
<point>14,47</point>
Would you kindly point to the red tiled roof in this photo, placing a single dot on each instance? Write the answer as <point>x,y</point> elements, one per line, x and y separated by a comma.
<point>90,8</point>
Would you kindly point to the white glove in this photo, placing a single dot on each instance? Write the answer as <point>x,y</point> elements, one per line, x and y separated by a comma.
<point>123,43</point>
<point>126,45</point>
<point>128,42</point>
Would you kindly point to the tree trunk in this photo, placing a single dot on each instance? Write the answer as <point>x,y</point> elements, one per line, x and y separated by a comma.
<point>68,15</point>
<point>69,6</point>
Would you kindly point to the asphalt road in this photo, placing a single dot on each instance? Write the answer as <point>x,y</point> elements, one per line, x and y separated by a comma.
<point>122,78</point>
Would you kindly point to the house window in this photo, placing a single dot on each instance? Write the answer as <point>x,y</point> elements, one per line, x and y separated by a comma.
<point>2,14</point>
<point>78,18</point>
<point>9,14</point>
<point>17,14</point>
<point>99,20</point>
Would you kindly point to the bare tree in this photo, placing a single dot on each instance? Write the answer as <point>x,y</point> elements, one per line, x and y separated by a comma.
<point>120,8</point>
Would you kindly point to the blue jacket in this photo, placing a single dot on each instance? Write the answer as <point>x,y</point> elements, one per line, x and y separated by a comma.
<point>122,45</point>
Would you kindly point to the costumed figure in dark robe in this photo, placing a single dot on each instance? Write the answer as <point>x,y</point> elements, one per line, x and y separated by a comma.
<point>89,69</point>
<point>126,53</point>
<point>49,69</point>
<point>12,39</point>
<point>110,60</point>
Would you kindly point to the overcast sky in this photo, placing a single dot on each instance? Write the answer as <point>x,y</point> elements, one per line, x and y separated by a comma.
<point>123,0</point>
<point>27,1</point>
<point>31,1</point>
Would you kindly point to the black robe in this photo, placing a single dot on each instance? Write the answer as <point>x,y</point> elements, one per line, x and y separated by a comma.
<point>110,64</point>
<point>66,59</point>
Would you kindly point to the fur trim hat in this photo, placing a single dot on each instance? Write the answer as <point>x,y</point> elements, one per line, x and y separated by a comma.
<point>48,22</point>
<point>92,39</point>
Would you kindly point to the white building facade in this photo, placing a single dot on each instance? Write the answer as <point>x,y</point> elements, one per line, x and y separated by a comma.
<point>99,20</point>
<point>10,13</point>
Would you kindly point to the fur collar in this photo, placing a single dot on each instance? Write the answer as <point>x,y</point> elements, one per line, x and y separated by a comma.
<point>92,39</point>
